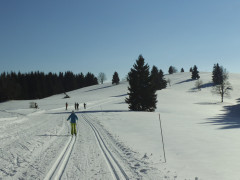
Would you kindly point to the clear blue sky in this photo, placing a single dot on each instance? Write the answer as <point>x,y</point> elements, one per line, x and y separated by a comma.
<point>108,35</point>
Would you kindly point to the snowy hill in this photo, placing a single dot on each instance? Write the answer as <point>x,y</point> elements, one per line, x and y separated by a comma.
<point>201,135</point>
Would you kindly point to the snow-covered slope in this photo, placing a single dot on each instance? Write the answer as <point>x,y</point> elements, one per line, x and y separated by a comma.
<point>201,135</point>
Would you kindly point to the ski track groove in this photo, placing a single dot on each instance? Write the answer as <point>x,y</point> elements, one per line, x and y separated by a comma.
<point>60,164</point>
<point>113,163</point>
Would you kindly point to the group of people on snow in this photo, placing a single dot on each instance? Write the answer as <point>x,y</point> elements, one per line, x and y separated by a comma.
<point>76,106</point>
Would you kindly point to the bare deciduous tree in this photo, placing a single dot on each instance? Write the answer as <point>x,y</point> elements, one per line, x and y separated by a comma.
<point>169,81</point>
<point>198,84</point>
<point>102,77</point>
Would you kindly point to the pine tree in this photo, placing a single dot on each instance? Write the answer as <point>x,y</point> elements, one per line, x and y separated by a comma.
<point>182,70</point>
<point>155,78</point>
<point>170,70</point>
<point>195,73</point>
<point>158,80</point>
<point>190,70</point>
<point>217,74</point>
<point>115,79</point>
<point>163,82</point>
<point>141,93</point>
<point>224,88</point>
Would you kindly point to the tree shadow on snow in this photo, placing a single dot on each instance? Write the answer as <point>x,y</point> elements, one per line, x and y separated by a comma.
<point>120,95</point>
<point>206,85</point>
<point>207,103</point>
<point>230,119</point>
<point>50,135</point>
<point>94,111</point>
<point>185,81</point>
<point>99,88</point>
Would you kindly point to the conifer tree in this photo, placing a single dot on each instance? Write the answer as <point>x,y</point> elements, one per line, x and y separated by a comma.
<point>217,74</point>
<point>170,70</point>
<point>195,73</point>
<point>182,70</point>
<point>141,93</point>
<point>224,88</point>
<point>163,82</point>
<point>158,80</point>
<point>115,79</point>
<point>155,78</point>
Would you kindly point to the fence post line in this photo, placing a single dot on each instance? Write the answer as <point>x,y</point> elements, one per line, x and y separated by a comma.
<point>162,138</point>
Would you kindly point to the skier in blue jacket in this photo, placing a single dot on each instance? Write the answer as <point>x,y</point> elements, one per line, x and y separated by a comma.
<point>73,118</point>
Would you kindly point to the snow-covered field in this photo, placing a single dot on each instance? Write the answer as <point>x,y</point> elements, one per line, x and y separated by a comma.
<point>201,135</point>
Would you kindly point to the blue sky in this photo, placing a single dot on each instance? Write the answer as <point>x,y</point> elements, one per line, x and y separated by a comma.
<point>108,35</point>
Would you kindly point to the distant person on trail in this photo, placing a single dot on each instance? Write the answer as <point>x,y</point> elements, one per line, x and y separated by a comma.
<point>66,105</point>
<point>84,105</point>
<point>73,121</point>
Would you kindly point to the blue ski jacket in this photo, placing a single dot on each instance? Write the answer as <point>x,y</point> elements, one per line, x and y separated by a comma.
<point>73,118</point>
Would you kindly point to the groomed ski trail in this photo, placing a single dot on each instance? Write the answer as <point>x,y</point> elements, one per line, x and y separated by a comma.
<point>60,164</point>
<point>115,168</point>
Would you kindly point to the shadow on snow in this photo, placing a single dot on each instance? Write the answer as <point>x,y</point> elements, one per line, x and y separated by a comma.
<point>95,111</point>
<point>230,119</point>
<point>120,95</point>
<point>185,81</point>
<point>50,135</point>
<point>99,88</point>
<point>206,85</point>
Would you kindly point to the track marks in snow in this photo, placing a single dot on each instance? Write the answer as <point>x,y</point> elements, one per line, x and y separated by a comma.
<point>59,166</point>
<point>116,169</point>
<point>136,165</point>
<point>27,148</point>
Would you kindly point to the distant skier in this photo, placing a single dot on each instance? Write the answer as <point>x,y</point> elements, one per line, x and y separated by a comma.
<point>73,121</point>
<point>84,105</point>
<point>77,106</point>
<point>66,105</point>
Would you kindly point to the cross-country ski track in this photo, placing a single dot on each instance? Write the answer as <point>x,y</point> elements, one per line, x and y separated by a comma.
<point>58,168</point>
<point>116,169</point>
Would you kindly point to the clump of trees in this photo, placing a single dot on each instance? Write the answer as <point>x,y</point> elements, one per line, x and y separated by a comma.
<point>142,93</point>
<point>220,77</point>
<point>37,85</point>
<point>172,70</point>
<point>115,78</point>
<point>158,81</point>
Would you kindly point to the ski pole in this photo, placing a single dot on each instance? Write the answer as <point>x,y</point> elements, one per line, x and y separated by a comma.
<point>162,138</point>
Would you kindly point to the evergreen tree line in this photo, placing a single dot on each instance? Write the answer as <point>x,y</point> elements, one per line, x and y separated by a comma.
<point>37,85</point>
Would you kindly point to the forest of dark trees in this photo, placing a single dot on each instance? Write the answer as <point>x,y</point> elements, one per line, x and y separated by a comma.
<point>37,85</point>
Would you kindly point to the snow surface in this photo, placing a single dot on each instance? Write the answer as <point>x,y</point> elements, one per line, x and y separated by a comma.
<point>201,135</point>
